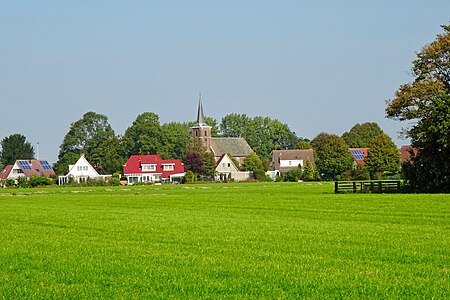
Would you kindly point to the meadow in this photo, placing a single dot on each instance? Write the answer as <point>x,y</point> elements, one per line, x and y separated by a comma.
<point>252,240</point>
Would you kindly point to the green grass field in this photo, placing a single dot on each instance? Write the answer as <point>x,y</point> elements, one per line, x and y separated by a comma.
<point>261,240</point>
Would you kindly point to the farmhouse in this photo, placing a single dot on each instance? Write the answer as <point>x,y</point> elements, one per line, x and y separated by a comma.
<point>27,168</point>
<point>285,160</point>
<point>81,171</point>
<point>152,168</point>
<point>237,147</point>
<point>226,169</point>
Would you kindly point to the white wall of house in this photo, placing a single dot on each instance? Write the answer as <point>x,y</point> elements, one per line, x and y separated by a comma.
<point>16,172</point>
<point>291,163</point>
<point>82,168</point>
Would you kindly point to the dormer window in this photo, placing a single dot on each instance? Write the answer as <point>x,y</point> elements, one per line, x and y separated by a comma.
<point>148,168</point>
<point>168,167</point>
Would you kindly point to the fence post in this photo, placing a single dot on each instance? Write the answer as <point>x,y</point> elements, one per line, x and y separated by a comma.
<point>354,186</point>
<point>336,186</point>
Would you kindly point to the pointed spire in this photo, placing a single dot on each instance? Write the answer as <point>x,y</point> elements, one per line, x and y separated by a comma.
<point>200,115</point>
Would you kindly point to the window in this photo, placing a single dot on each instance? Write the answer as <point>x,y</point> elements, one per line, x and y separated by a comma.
<point>168,167</point>
<point>79,168</point>
<point>148,168</point>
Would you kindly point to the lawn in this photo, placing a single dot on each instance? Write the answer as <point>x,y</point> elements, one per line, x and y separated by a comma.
<point>260,240</point>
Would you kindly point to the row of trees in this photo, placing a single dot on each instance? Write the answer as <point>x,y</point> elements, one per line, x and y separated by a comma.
<point>93,136</point>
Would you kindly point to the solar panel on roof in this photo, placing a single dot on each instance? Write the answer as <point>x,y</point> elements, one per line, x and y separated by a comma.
<point>45,165</point>
<point>24,165</point>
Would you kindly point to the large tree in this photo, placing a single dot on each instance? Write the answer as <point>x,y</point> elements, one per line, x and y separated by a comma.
<point>15,147</point>
<point>198,160</point>
<point>362,134</point>
<point>175,138</point>
<point>383,156</point>
<point>144,136</point>
<point>254,164</point>
<point>263,134</point>
<point>333,157</point>
<point>425,103</point>
<point>85,136</point>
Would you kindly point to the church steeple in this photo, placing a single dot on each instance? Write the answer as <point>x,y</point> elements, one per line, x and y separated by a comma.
<point>200,115</point>
<point>201,130</point>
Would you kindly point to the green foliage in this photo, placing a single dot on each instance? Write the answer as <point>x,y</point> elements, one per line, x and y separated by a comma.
<point>426,102</point>
<point>10,182</point>
<point>37,181</point>
<point>86,136</point>
<point>144,136</point>
<point>254,164</point>
<point>362,134</point>
<point>233,241</point>
<point>383,156</point>
<point>263,134</point>
<point>176,137</point>
<point>15,147</point>
<point>198,160</point>
<point>294,175</point>
<point>310,173</point>
<point>189,177</point>
<point>333,157</point>
<point>22,182</point>
<point>303,145</point>
<point>360,172</point>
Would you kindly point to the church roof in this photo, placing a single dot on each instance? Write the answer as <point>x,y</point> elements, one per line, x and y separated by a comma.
<point>237,147</point>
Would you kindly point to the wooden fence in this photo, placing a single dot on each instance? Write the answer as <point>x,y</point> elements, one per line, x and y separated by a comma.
<point>382,186</point>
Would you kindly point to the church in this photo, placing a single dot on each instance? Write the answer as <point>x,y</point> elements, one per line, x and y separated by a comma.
<point>237,147</point>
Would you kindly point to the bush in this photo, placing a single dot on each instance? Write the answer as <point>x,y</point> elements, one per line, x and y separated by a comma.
<point>294,175</point>
<point>39,181</point>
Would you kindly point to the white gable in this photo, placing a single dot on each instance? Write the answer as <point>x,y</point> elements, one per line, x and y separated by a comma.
<point>82,168</point>
<point>226,165</point>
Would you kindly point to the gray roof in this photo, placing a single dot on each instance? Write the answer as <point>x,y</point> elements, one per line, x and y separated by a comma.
<point>296,154</point>
<point>237,147</point>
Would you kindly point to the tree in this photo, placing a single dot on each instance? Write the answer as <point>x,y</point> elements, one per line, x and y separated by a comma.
<point>425,103</point>
<point>362,134</point>
<point>262,133</point>
<point>294,175</point>
<point>109,156</point>
<point>303,144</point>
<point>15,147</point>
<point>144,136</point>
<point>254,164</point>
<point>175,138</point>
<point>198,160</point>
<point>383,156</point>
<point>333,157</point>
<point>85,136</point>
<point>309,171</point>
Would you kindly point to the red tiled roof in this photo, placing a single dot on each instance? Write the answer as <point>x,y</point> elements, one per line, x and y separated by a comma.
<point>357,159</point>
<point>405,153</point>
<point>36,167</point>
<point>5,172</point>
<point>135,162</point>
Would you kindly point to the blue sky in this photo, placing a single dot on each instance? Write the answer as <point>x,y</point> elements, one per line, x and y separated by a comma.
<point>319,66</point>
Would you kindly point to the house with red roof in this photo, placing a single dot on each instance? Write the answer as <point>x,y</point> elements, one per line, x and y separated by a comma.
<point>152,168</point>
<point>27,168</point>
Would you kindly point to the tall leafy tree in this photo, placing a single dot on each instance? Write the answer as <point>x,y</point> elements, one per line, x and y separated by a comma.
<point>425,103</point>
<point>144,136</point>
<point>15,147</point>
<point>383,156</point>
<point>84,137</point>
<point>175,138</point>
<point>263,134</point>
<point>198,160</point>
<point>362,134</point>
<point>303,144</point>
<point>254,164</point>
<point>333,157</point>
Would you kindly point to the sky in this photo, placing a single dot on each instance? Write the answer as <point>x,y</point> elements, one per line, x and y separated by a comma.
<point>318,66</point>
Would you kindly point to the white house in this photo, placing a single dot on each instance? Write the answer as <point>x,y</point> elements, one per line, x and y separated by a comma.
<point>227,170</point>
<point>80,172</point>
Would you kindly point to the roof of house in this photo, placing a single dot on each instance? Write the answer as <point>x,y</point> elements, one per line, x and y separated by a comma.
<point>135,162</point>
<point>405,152</point>
<point>5,172</point>
<point>82,161</point>
<point>359,154</point>
<point>31,167</point>
<point>236,146</point>
<point>295,154</point>
<point>226,157</point>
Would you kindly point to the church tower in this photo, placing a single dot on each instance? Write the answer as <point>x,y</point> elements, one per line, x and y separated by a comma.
<point>201,130</point>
